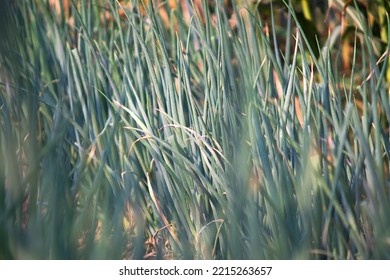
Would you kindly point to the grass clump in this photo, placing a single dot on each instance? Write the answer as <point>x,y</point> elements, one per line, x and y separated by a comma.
<point>125,137</point>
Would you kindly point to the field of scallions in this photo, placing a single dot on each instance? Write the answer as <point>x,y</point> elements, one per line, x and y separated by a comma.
<point>193,130</point>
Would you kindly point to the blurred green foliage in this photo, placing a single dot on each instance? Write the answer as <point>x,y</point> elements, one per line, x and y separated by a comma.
<point>319,17</point>
<point>122,137</point>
